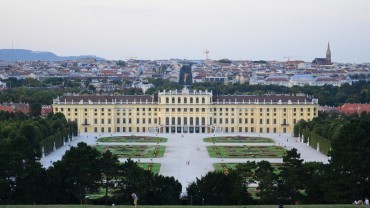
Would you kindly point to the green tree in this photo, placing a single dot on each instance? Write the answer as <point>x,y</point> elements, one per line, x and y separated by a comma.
<point>80,167</point>
<point>291,177</point>
<point>267,181</point>
<point>109,164</point>
<point>216,188</point>
<point>350,159</point>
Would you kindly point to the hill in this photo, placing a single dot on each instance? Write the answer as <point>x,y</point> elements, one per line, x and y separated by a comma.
<point>28,55</point>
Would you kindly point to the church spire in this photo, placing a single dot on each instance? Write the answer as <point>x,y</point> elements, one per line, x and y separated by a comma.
<point>328,55</point>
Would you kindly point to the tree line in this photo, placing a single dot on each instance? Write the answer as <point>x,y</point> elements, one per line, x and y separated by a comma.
<point>82,170</point>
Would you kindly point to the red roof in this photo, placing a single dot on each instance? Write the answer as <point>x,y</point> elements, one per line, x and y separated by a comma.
<point>354,108</point>
<point>6,108</point>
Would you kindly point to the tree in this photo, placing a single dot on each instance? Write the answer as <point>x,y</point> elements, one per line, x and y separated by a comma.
<point>81,174</point>
<point>92,88</point>
<point>350,159</point>
<point>291,177</point>
<point>216,188</point>
<point>109,164</point>
<point>267,181</point>
<point>314,181</point>
<point>224,61</point>
<point>150,188</point>
<point>185,76</point>
<point>21,175</point>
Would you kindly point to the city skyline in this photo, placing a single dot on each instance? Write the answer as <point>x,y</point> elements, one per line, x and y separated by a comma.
<point>163,29</point>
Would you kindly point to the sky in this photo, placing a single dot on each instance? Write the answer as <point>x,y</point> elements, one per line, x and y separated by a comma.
<point>163,29</point>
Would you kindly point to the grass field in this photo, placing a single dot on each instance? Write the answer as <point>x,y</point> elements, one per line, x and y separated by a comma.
<point>151,206</point>
<point>246,151</point>
<point>133,151</point>
<point>154,167</point>
<point>133,139</point>
<point>238,139</point>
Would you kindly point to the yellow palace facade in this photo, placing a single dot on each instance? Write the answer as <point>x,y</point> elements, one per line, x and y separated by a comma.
<point>186,111</point>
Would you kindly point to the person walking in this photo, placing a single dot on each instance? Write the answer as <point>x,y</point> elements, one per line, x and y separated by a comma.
<point>135,198</point>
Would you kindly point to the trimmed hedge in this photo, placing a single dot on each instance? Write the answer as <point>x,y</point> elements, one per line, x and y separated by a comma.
<point>325,144</point>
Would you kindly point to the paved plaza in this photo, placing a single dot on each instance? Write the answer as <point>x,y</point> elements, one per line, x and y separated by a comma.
<point>191,147</point>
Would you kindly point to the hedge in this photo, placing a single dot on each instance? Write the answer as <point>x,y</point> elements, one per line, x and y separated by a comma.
<point>325,144</point>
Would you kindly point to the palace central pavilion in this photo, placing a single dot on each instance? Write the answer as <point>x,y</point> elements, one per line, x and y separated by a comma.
<point>186,111</point>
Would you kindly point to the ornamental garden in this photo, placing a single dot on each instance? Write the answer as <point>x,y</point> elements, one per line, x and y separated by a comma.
<point>238,139</point>
<point>125,150</point>
<point>259,147</point>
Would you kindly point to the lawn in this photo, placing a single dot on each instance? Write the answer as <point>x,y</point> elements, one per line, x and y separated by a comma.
<point>246,151</point>
<point>238,139</point>
<point>133,151</point>
<point>154,167</point>
<point>141,139</point>
<point>151,206</point>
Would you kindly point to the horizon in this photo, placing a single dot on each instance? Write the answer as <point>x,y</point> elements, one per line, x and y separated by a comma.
<point>163,29</point>
<point>200,59</point>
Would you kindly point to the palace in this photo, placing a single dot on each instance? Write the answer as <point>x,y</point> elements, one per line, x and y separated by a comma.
<point>187,111</point>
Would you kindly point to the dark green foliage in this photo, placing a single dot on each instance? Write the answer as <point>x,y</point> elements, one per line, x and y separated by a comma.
<point>313,181</point>
<point>109,164</point>
<point>185,71</point>
<point>81,171</point>
<point>350,159</point>
<point>150,188</point>
<point>291,177</point>
<point>162,84</point>
<point>217,188</point>
<point>267,183</point>
<point>224,61</point>
<point>22,180</point>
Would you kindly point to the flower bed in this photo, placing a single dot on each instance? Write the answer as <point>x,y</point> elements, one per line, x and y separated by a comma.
<point>246,151</point>
<point>238,139</point>
<point>141,139</point>
<point>133,151</point>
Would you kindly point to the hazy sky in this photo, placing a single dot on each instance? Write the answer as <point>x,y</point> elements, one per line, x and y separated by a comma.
<point>162,29</point>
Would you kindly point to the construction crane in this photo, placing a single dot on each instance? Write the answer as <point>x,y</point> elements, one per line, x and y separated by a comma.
<point>206,52</point>
<point>289,58</point>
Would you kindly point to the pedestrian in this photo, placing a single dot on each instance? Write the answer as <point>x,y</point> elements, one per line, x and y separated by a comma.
<point>135,198</point>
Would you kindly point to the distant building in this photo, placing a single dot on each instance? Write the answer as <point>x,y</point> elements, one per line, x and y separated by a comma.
<point>277,80</point>
<point>301,80</point>
<point>256,80</point>
<point>15,107</point>
<point>222,80</point>
<point>349,108</point>
<point>324,61</point>
<point>45,109</point>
